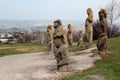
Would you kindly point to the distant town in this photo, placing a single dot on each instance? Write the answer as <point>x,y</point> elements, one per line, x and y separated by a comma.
<point>21,32</point>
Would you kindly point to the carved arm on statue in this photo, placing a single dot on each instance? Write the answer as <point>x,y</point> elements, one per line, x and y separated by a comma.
<point>90,18</point>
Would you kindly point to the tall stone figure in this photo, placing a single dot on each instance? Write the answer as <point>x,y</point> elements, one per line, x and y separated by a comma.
<point>89,28</point>
<point>50,38</point>
<point>60,47</point>
<point>69,35</point>
<point>102,31</point>
<point>80,42</point>
<point>102,28</point>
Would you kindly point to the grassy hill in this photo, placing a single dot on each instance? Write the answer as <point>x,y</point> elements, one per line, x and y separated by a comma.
<point>108,67</point>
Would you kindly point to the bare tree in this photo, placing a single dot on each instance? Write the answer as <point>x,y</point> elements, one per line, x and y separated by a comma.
<point>113,11</point>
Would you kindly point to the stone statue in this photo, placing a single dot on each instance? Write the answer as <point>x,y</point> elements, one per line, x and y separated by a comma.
<point>69,35</point>
<point>102,31</point>
<point>80,42</point>
<point>50,38</point>
<point>89,28</point>
<point>60,47</point>
<point>102,28</point>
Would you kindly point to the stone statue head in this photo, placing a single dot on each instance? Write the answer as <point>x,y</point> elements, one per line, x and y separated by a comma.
<point>69,26</point>
<point>57,23</point>
<point>102,14</point>
<point>49,28</point>
<point>89,11</point>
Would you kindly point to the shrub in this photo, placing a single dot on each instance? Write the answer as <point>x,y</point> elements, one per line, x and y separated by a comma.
<point>111,31</point>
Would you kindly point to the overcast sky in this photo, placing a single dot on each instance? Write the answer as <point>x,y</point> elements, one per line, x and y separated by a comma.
<point>48,9</point>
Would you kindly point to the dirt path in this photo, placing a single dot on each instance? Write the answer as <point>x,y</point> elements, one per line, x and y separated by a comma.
<point>40,66</point>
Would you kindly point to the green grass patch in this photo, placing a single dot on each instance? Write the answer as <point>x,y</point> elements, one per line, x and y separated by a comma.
<point>108,67</point>
<point>10,49</point>
<point>75,48</point>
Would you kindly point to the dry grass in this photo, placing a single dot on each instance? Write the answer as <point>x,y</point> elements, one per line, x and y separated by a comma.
<point>10,49</point>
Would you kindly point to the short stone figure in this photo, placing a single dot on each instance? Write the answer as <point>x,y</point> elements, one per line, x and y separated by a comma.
<point>102,44</point>
<point>80,42</point>
<point>102,31</point>
<point>60,47</point>
<point>50,38</point>
<point>89,28</point>
<point>69,35</point>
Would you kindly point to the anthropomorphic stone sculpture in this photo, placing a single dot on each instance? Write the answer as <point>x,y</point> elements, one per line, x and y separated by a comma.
<point>80,42</point>
<point>50,38</point>
<point>89,28</point>
<point>60,47</point>
<point>102,28</point>
<point>69,35</point>
<point>102,31</point>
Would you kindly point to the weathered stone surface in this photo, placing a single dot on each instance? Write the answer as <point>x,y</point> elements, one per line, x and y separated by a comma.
<point>50,38</point>
<point>69,35</point>
<point>102,28</point>
<point>102,31</point>
<point>80,42</point>
<point>60,46</point>
<point>89,28</point>
<point>102,45</point>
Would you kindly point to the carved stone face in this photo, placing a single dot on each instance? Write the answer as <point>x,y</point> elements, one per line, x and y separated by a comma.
<point>49,28</point>
<point>57,23</point>
<point>89,10</point>
<point>102,14</point>
<point>69,26</point>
